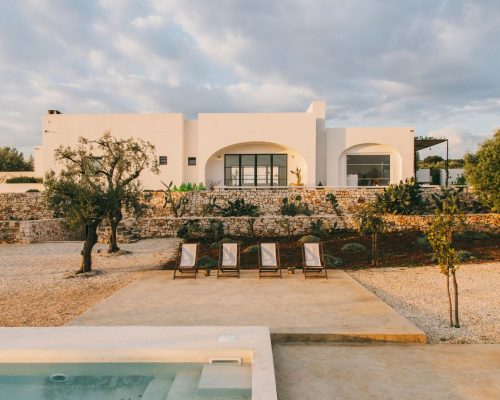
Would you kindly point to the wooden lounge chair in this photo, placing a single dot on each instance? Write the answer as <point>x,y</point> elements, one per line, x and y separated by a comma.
<point>229,260</point>
<point>314,260</point>
<point>269,261</point>
<point>187,263</point>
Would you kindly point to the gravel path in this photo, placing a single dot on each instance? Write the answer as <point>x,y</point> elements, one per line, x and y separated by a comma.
<point>419,293</point>
<point>38,286</point>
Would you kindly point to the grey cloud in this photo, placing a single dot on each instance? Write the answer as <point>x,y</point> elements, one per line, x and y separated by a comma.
<point>429,64</point>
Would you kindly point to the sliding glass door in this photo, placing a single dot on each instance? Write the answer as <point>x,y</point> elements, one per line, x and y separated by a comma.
<point>368,170</point>
<point>255,169</point>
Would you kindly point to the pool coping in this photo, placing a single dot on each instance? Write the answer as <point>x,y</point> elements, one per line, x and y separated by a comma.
<point>145,344</point>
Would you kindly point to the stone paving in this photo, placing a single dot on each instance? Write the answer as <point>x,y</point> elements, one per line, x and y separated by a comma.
<point>331,309</point>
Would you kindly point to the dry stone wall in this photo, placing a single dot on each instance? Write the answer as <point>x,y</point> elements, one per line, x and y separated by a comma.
<point>270,226</point>
<point>42,230</point>
<point>23,207</point>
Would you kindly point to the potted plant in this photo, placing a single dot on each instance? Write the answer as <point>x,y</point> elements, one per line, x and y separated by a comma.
<point>298,176</point>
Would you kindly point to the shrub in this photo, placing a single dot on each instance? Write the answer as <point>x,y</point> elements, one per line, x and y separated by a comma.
<point>294,206</point>
<point>309,239</point>
<point>188,187</point>
<point>423,242</point>
<point>215,231</point>
<point>473,235</point>
<point>251,249</point>
<point>319,228</point>
<point>404,198</point>
<point>353,247</point>
<point>464,255</point>
<point>189,230</point>
<point>206,262</point>
<point>332,262</point>
<point>239,208</point>
<point>24,179</point>
<point>332,199</point>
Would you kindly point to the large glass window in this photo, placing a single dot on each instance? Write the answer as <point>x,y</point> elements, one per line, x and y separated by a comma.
<point>255,169</point>
<point>368,170</point>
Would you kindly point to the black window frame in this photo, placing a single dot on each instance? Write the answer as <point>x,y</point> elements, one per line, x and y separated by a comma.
<point>255,165</point>
<point>191,161</point>
<point>163,160</point>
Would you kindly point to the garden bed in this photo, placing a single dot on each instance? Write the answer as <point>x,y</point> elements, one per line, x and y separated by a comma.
<point>396,249</point>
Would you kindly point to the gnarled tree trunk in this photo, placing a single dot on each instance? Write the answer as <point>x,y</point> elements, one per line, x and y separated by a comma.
<point>114,220</point>
<point>90,241</point>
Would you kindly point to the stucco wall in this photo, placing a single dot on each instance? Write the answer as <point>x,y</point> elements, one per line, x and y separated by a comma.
<point>295,131</point>
<point>398,142</point>
<point>164,131</point>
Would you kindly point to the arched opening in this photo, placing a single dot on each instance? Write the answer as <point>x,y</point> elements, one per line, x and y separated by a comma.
<point>254,164</point>
<point>369,164</point>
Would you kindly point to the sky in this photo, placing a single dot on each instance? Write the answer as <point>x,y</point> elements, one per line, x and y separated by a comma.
<point>430,64</point>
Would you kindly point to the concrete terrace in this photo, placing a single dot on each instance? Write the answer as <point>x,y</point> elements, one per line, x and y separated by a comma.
<point>337,309</point>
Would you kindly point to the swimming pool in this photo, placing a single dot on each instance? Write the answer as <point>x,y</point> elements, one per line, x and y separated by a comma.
<point>130,381</point>
<point>137,362</point>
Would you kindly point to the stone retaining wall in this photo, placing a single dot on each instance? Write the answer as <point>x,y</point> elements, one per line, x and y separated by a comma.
<point>42,230</point>
<point>300,225</point>
<point>25,206</point>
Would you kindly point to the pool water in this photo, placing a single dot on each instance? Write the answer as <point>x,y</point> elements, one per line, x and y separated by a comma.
<point>125,381</point>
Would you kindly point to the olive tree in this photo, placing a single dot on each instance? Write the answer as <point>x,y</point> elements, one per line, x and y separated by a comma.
<point>81,201</point>
<point>482,171</point>
<point>114,164</point>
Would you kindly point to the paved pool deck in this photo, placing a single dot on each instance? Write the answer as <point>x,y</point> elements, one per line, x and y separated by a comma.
<point>295,309</point>
<point>387,371</point>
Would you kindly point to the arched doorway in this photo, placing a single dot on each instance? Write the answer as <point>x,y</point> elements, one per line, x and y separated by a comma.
<point>254,164</point>
<point>369,164</point>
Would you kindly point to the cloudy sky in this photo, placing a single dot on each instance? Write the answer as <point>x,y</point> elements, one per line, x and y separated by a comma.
<point>431,64</point>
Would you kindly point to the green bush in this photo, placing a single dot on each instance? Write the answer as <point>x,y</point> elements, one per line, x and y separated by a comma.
<point>309,239</point>
<point>239,208</point>
<point>319,228</point>
<point>332,262</point>
<point>473,235</point>
<point>332,199</point>
<point>189,230</point>
<point>24,179</point>
<point>294,206</point>
<point>464,255</point>
<point>188,187</point>
<point>215,231</point>
<point>353,247</point>
<point>251,249</point>
<point>404,198</point>
<point>206,262</point>
<point>423,242</point>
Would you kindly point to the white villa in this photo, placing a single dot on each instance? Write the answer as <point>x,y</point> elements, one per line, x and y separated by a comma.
<point>245,149</point>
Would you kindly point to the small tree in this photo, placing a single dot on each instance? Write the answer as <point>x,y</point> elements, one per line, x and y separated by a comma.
<point>82,203</point>
<point>13,160</point>
<point>439,235</point>
<point>482,171</point>
<point>114,165</point>
<point>371,222</point>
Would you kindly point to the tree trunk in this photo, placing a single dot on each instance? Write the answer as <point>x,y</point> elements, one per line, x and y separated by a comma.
<point>114,220</point>
<point>90,241</point>
<point>455,289</point>
<point>449,297</point>
<point>374,249</point>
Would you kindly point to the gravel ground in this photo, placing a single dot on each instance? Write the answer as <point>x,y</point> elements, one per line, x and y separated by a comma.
<point>38,286</point>
<point>419,293</point>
